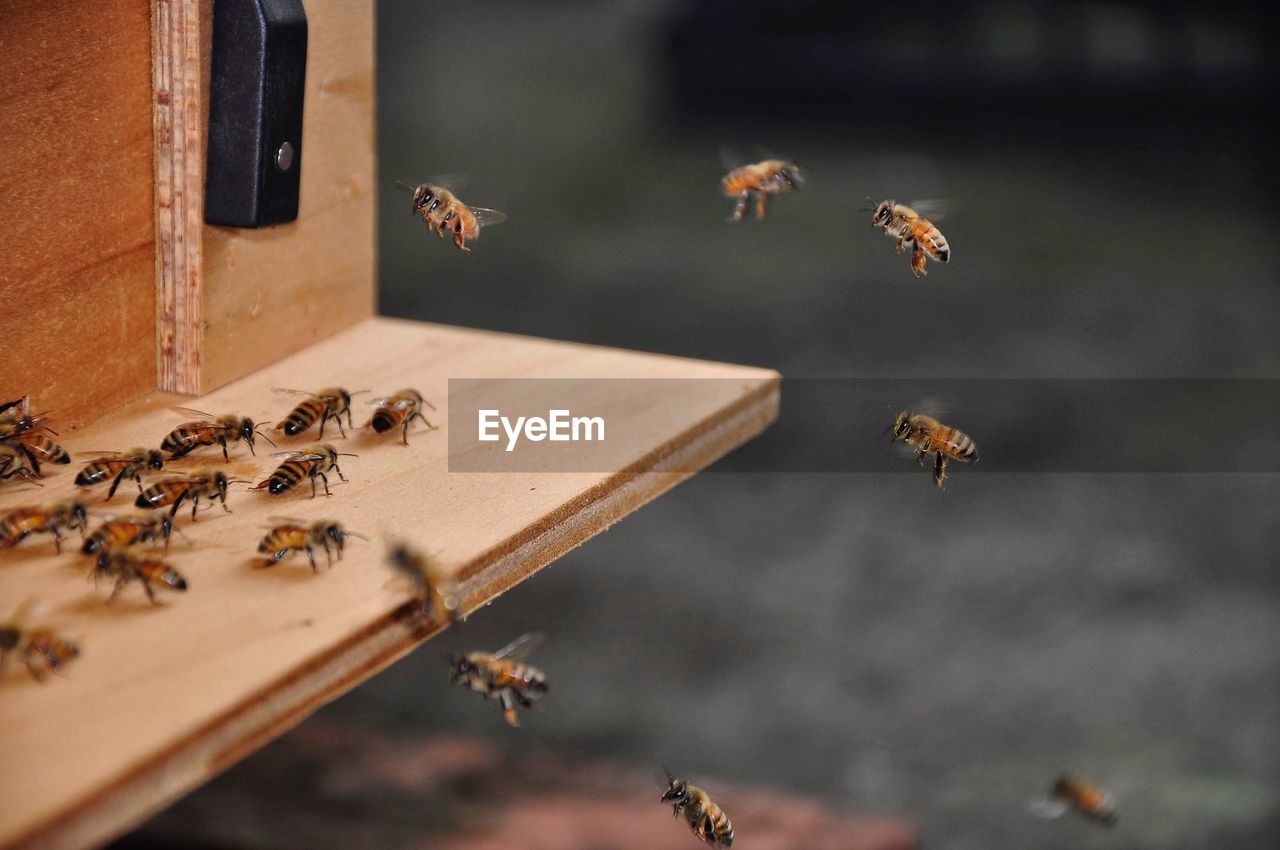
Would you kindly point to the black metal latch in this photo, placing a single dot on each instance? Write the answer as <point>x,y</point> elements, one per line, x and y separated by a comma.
<point>258,70</point>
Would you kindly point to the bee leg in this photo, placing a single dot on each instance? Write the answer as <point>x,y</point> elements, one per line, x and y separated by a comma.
<point>325,479</point>
<point>939,469</point>
<point>311,557</point>
<point>151,594</point>
<point>740,209</point>
<point>222,441</point>
<point>349,423</point>
<point>339,471</point>
<point>32,460</point>
<point>762,204</point>
<point>120,583</point>
<point>116,483</point>
<point>509,709</point>
<point>917,262</point>
<point>195,503</point>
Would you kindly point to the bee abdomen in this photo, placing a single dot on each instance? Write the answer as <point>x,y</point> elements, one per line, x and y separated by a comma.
<point>92,474</point>
<point>286,475</point>
<point>303,416</point>
<point>384,420</point>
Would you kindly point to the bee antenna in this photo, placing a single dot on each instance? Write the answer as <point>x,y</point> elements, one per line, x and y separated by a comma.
<point>429,404</point>
<point>264,436</point>
<point>358,392</point>
<point>357,535</point>
<point>346,454</point>
<point>402,185</point>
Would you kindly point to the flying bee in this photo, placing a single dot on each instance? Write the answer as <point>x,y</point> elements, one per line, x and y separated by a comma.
<point>119,532</point>
<point>310,463</point>
<point>929,436</point>
<point>1072,792</point>
<point>399,409</point>
<point>118,466</point>
<point>442,210</point>
<point>41,650</point>
<point>437,591</point>
<point>50,519</point>
<point>914,231</point>
<point>129,565</point>
<point>762,179</point>
<point>324,405</point>
<point>503,675</point>
<point>293,535</point>
<point>195,485</point>
<point>210,431</point>
<point>23,433</point>
<point>707,820</point>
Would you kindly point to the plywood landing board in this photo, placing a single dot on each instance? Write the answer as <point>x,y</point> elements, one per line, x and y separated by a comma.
<point>164,696</point>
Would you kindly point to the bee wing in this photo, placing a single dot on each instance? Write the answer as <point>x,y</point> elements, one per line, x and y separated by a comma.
<point>935,209</point>
<point>286,391</point>
<point>191,411</point>
<point>453,181</point>
<point>485,216</point>
<point>297,456</point>
<point>730,159</point>
<point>22,612</point>
<point>1047,807</point>
<point>661,778</point>
<point>519,649</point>
<point>106,453</point>
<point>388,401</point>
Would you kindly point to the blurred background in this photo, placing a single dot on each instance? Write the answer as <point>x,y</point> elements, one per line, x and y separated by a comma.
<point>850,658</point>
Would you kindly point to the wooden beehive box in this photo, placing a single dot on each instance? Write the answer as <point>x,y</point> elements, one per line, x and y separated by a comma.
<point>120,301</point>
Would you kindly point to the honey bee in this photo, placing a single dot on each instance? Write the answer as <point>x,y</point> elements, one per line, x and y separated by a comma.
<point>50,519</point>
<point>195,485</point>
<point>1072,792</point>
<point>210,431</point>
<point>293,535</point>
<point>119,532</point>
<point>310,463</point>
<point>118,466</point>
<point>13,463</point>
<point>762,179</point>
<point>503,675</point>
<point>913,231</point>
<point>23,433</point>
<point>128,565</point>
<point>442,210</point>
<point>324,405</point>
<point>41,650</point>
<point>437,591</point>
<point>401,408</point>
<point>929,436</point>
<point>707,820</point>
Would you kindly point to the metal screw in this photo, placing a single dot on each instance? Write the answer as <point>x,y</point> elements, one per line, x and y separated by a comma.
<point>284,157</point>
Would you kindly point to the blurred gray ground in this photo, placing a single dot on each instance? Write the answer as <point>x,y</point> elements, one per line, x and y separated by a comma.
<point>861,639</point>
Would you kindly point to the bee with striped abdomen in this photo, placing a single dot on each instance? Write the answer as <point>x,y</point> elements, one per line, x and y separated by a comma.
<point>914,231</point>
<point>119,466</point>
<point>309,463</point>
<point>39,649</point>
<point>707,820</point>
<point>928,436</point>
<point>762,179</point>
<point>503,675</point>
<point>119,532</point>
<point>324,405</point>
<point>399,410</point>
<point>442,210</point>
<point>208,484</point>
<point>49,519</point>
<point>130,565</point>
<point>210,431</point>
<point>437,591</point>
<point>293,535</point>
<point>23,433</point>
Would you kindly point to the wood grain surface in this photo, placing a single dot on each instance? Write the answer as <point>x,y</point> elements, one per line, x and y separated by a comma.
<point>166,695</point>
<point>76,233</point>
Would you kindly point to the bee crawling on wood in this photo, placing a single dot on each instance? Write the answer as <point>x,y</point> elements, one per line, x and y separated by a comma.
<point>707,820</point>
<point>53,519</point>
<point>39,649</point>
<point>442,210</point>
<point>399,409</point>
<point>24,435</point>
<point>130,565</point>
<point>324,405</point>
<point>762,179</point>
<point>928,436</point>
<point>1071,792</point>
<point>295,535</point>
<point>120,531</point>
<point>119,466</point>
<point>208,484</point>
<point>309,463</point>
<point>503,675</point>
<point>13,464</point>
<point>913,231</point>
<point>438,592</point>
<point>210,430</point>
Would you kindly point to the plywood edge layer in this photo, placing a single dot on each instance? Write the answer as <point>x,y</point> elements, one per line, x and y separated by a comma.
<point>177,57</point>
<point>268,714</point>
